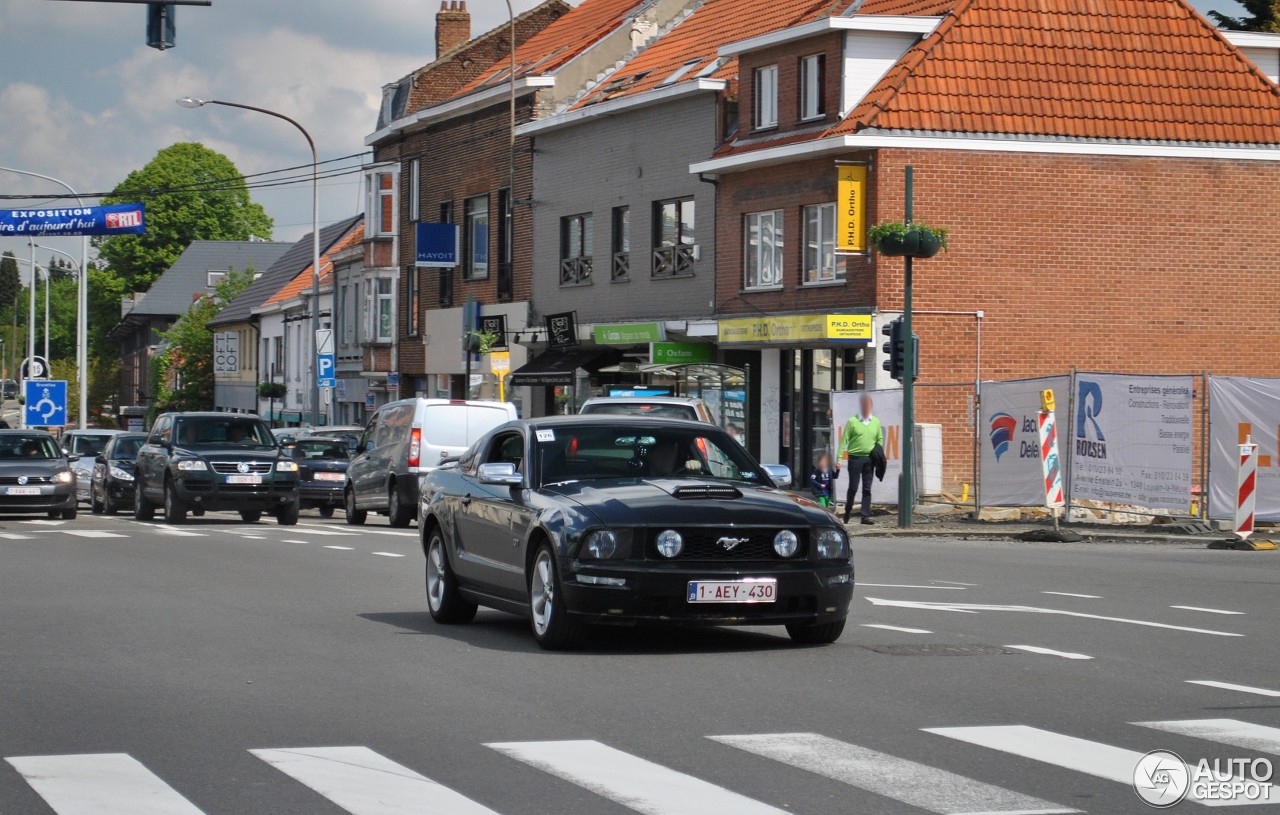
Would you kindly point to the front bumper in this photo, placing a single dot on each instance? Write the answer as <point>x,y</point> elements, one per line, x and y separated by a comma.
<point>320,493</point>
<point>213,493</point>
<point>808,592</point>
<point>52,497</point>
<point>120,492</point>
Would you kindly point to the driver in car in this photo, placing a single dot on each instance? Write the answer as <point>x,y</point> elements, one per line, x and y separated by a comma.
<point>664,460</point>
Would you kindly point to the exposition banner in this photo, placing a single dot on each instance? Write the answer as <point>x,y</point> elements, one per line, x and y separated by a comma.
<point>113,219</point>
<point>887,406</point>
<point>1131,440</point>
<point>1240,408</point>
<point>1010,474</point>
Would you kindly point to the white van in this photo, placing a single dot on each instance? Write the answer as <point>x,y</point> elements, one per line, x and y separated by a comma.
<point>406,438</point>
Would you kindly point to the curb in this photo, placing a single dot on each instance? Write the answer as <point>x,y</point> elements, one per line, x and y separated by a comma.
<point>1244,545</point>
<point>1013,534</point>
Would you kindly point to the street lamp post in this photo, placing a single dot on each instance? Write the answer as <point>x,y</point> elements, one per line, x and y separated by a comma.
<point>192,102</point>
<point>82,300</point>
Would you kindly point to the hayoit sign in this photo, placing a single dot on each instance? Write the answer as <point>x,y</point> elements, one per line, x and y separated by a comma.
<point>113,219</point>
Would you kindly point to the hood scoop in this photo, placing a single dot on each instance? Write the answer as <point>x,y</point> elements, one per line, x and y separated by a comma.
<point>704,492</point>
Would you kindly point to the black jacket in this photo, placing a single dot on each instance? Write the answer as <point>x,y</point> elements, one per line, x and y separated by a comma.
<point>878,461</point>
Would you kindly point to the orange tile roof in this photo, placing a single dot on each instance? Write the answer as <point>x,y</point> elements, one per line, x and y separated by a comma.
<point>907,8</point>
<point>695,40</point>
<point>302,282</point>
<point>560,41</point>
<point>1151,70</point>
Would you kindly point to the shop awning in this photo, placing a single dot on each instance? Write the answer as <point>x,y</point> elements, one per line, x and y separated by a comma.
<point>559,367</point>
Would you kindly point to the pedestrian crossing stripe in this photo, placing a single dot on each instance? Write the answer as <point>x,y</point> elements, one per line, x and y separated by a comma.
<point>93,533</point>
<point>360,781</point>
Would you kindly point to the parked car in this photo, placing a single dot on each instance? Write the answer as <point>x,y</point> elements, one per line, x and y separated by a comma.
<point>111,485</point>
<point>405,439</point>
<point>9,389</point>
<point>351,438</point>
<point>35,475</point>
<point>572,521</point>
<point>666,407</point>
<point>214,461</point>
<point>322,472</point>
<point>87,445</point>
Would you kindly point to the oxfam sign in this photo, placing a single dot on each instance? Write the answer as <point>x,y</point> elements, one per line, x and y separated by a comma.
<point>679,353</point>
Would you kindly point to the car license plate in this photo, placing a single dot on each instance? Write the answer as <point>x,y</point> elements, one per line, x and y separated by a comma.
<point>22,491</point>
<point>244,479</point>
<point>749,590</point>
<point>329,476</point>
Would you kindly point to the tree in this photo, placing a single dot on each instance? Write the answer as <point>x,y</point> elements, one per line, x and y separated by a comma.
<point>10,282</point>
<point>1262,15</point>
<point>184,370</point>
<point>191,193</point>
<point>105,290</point>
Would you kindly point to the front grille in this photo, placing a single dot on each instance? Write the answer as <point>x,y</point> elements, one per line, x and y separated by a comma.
<point>32,480</point>
<point>705,544</point>
<point>233,467</point>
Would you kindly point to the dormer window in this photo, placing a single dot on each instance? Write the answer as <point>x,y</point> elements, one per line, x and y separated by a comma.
<point>813,87</point>
<point>766,97</point>
<point>681,72</point>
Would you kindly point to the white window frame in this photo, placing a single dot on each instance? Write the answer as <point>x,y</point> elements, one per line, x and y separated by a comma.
<point>471,269</point>
<point>415,190</point>
<point>812,105</point>
<point>385,306</point>
<point>766,97</point>
<point>763,266</point>
<point>822,264</point>
<point>374,195</point>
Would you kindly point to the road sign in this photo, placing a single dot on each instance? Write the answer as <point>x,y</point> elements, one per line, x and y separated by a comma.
<point>326,367</point>
<point>35,368</point>
<point>324,340</point>
<point>46,403</point>
<point>393,382</point>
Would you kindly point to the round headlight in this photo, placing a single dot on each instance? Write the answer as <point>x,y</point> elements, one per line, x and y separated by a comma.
<point>601,545</point>
<point>832,544</point>
<point>785,543</point>
<point>669,543</point>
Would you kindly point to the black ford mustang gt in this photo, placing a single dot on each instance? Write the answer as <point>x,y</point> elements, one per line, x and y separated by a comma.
<point>578,520</point>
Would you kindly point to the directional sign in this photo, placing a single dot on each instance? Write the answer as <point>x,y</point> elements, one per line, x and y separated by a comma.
<point>324,341</point>
<point>326,368</point>
<point>35,368</point>
<point>46,403</point>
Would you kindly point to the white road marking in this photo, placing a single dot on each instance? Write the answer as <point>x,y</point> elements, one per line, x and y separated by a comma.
<point>365,783</point>
<point>1072,594</point>
<point>178,533</point>
<point>1209,610</point>
<point>974,608</point>
<point>315,530</point>
<point>100,784</point>
<point>342,548</point>
<point>289,540</point>
<point>897,628</point>
<point>899,586</point>
<point>252,537</point>
<point>388,554</point>
<point>364,530</point>
<point>917,785</point>
<point>45,522</point>
<point>1035,649</point>
<point>1224,731</point>
<point>954,583</point>
<point>1081,755</point>
<point>14,536</point>
<point>93,533</point>
<point>1208,683</point>
<point>631,781</point>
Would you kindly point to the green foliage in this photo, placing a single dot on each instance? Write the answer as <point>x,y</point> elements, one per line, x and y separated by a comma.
<point>899,230</point>
<point>183,372</point>
<point>10,282</point>
<point>191,193</point>
<point>272,390</point>
<point>105,290</point>
<point>1262,15</point>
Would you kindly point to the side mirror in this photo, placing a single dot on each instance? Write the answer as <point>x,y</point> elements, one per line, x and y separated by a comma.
<point>779,474</point>
<point>500,475</point>
<point>73,458</point>
<point>100,460</point>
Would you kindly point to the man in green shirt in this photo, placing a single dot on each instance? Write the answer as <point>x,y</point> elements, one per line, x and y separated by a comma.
<point>862,434</point>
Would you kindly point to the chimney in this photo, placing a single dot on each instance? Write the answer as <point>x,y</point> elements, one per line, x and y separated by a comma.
<point>453,25</point>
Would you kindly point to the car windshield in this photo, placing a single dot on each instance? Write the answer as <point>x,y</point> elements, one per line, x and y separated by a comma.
<point>603,452</point>
<point>88,445</point>
<point>127,448</point>
<point>320,450</point>
<point>28,447</point>
<point>656,409</point>
<point>208,431</point>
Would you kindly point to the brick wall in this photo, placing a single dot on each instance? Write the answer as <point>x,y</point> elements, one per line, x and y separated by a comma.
<point>787,57</point>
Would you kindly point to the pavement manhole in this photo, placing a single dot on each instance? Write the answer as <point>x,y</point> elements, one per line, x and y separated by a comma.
<point>938,650</point>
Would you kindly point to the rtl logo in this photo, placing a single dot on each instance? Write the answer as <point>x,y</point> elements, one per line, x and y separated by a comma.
<point>124,220</point>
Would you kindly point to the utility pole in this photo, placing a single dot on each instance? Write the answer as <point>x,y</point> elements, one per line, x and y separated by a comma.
<point>906,487</point>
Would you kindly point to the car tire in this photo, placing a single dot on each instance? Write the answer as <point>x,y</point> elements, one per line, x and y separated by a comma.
<point>443,601</point>
<point>553,627</point>
<point>175,512</point>
<point>109,507</point>
<point>68,514</point>
<point>250,516</point>
<point>355,517</point>
<point>95,506</point>
<point>397,515</point>
<point>326,511</point>
<point>815,633</point>
<point>143,509</point>
<point>288,514</point>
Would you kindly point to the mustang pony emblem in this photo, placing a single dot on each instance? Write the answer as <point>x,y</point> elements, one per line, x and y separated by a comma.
<point>730,544</point>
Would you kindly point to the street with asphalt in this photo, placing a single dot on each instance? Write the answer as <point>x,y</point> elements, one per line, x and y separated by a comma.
<point>226,668</point>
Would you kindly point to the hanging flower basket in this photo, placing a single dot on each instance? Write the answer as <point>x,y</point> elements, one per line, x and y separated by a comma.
<point>272,390</point>
<point>900,240</point>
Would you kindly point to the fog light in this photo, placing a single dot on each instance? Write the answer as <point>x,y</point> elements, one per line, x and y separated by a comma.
<point>592,580</point>
<point>669,543</point>
<point>838,580</point>
<point>785,543</point>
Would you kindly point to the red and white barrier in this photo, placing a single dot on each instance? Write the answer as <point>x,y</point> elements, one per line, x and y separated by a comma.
<point>1050,463</point>
<point>1246,488</point>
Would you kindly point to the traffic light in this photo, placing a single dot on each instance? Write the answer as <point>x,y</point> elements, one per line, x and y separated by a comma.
<point>161,32</point>
<point>896,350</point>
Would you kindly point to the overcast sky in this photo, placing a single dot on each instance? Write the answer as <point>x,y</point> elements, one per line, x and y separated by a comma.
<point>85,100</point>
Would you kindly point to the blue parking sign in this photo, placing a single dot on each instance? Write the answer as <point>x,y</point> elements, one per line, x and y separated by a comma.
<point>326,368</point>
<point>45,403</point>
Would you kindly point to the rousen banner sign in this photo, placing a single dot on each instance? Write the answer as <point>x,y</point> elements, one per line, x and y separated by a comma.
<point>113,219</point>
